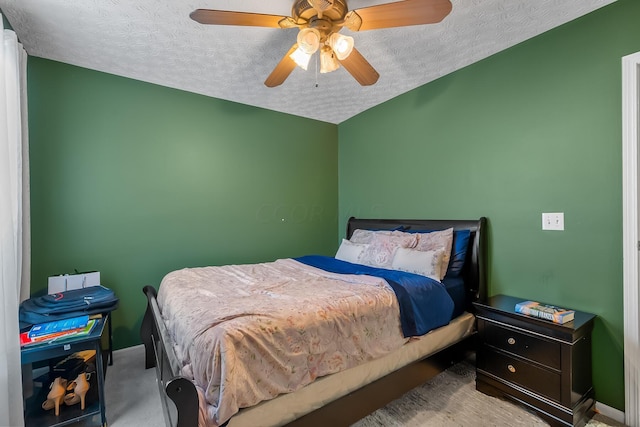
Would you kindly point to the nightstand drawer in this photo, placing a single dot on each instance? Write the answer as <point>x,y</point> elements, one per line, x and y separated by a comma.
<point>527,375</point>
<point>529,346</point>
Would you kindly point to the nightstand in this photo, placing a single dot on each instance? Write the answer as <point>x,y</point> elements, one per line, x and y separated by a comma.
<point>34,415</point>
<point>542,365</point>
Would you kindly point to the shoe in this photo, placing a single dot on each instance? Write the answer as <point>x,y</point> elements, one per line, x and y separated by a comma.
<point>74,364</point>
<point>56,395</point>
<point>79,391</point>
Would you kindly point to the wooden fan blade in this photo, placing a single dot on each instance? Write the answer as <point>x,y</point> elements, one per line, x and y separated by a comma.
<point>223,17</point>
<point>402,14</point>
<point>282,70</point>
<point>360,69</point>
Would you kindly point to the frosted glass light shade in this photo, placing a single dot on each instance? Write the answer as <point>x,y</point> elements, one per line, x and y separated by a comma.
<point>309,40</point>
<point>341,45</point>
<point>328,61</point>
<point>301,58</point>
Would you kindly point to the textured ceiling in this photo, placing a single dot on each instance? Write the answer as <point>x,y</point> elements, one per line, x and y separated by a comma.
<point>156,41</point>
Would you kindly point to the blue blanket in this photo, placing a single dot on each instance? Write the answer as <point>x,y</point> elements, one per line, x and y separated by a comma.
<point>424,302</point>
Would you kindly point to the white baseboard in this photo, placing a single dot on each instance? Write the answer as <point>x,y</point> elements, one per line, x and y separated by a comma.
<point>608,411</point>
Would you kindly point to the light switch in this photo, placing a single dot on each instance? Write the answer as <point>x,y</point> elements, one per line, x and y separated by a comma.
<point>553,221</point>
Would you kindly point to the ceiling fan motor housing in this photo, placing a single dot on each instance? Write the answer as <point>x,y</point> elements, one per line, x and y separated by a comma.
<point>321,5</point>
<point>304,10</point>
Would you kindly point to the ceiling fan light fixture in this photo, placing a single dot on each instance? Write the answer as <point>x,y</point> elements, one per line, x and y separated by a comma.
<point>341,45</point>
<point>319,22</point>
<point>328,61</point>
<point>301,58</point>
<point>309,40</point>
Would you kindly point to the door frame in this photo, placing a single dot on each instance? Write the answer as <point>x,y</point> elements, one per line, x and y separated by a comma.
<point>630,238</point>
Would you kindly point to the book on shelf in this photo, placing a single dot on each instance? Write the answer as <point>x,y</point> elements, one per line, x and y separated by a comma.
<point>61,325</point>
<point>26,340</point>
<point>545,311</point>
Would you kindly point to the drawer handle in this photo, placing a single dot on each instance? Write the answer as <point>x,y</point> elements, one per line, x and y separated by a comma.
<point>511,369</point>
<point>511,341</point>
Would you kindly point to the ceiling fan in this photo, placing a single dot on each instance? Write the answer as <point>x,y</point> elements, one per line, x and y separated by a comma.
<point>319,23</point>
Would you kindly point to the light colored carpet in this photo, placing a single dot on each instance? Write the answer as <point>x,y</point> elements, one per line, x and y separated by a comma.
<point>450,399</point>
<point>132,396</point>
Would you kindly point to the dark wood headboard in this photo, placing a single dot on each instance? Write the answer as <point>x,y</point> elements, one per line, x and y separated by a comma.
<point>475,268</point>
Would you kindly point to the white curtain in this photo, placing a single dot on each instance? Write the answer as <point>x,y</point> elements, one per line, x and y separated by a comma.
<point>14,222</point>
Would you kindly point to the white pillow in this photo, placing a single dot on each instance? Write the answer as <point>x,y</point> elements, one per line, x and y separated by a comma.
<point>425,263</point>
<point>350,252</point>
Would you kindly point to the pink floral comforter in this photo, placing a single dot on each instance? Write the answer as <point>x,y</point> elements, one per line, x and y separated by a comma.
<point>247,333</point>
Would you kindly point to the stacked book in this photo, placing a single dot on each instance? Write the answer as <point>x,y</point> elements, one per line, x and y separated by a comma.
<point>545,311</point>
<point>57,330</point>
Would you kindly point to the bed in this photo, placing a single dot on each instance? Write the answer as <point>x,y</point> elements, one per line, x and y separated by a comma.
<point>337,390</point>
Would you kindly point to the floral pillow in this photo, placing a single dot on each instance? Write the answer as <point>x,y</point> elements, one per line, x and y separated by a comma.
<point>367,236</point>
<point>383,246</point>
<point>364,236</point>
<point>425,263</point>
<point>435,240</point>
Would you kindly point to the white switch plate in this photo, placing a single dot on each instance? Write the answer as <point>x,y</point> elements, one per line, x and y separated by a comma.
<point>553,221</point>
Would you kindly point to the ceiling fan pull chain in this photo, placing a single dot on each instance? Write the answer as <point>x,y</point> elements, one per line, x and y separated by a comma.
<point>317,68</point>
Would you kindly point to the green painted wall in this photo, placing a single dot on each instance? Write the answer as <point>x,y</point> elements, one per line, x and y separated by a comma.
<point>136,180</point>
<point>536,128</point>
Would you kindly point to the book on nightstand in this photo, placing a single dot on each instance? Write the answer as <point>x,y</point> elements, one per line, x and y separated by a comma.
<point>56,326</point>
<point>545,311</point>
<point>26,340</point>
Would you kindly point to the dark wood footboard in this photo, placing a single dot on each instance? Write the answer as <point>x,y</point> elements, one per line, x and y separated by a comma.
<point>183,409</point>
